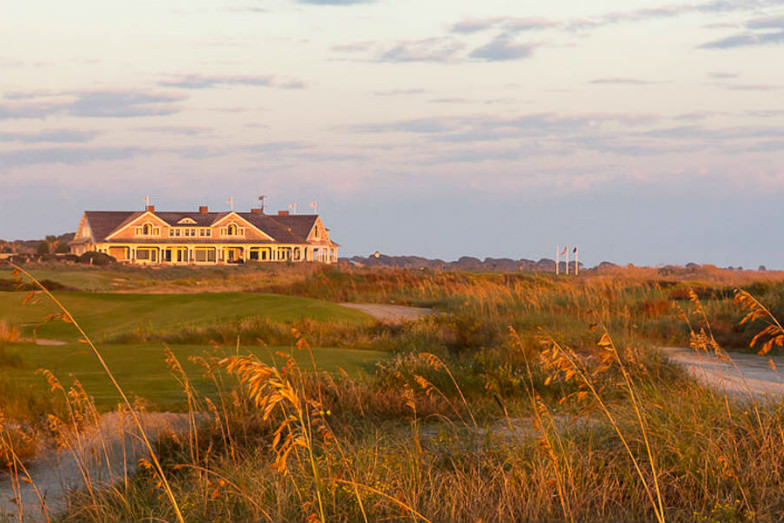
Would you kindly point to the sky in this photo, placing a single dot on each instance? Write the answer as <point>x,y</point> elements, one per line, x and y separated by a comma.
<point>644,132</point>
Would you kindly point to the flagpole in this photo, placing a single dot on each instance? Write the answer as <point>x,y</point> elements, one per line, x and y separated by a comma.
<point>567,260</point>
<point>557,260</point>
<point>576,263</point>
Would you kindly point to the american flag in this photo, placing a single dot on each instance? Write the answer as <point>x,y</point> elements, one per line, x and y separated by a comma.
<point>564,251</point>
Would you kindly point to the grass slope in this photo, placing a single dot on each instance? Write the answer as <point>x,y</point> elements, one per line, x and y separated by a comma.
<point>142,371</point>
<point>140,368</point>
<point>105,316</point>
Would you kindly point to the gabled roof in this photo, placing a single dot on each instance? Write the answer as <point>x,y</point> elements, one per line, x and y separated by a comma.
<point>288,229</point>
<point>103,223</point>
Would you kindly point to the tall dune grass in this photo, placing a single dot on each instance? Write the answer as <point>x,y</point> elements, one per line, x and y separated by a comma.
<point>532,398</point>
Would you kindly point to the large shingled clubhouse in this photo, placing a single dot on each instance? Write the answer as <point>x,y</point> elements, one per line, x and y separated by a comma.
<point>204,237</point>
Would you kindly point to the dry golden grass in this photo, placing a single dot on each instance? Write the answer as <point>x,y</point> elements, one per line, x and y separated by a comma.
<point>479,421</point>
<point>8,333</point>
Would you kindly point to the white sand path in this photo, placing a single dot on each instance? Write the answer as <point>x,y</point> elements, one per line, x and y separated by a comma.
<point>391,313</point>
<point>107,454</point>
<point>742,374</point>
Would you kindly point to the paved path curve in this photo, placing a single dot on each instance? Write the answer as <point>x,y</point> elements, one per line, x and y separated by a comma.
<point>742,374</point>
<point>391,313</point>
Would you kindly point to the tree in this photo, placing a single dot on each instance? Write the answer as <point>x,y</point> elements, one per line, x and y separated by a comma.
<point>51,241</point>
<point>42,249</point>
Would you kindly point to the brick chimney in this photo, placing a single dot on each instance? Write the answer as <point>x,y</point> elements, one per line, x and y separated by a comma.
<point>257,211</point>
<point>150,208</point>
<point>203,209</point>
<point>283,213</point>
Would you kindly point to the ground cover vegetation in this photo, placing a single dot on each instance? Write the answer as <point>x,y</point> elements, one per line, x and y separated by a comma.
<point>527,397</point>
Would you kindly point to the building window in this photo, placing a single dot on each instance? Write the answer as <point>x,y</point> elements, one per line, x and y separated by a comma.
<point>146,255</point>
<point>204,255</point>
<point>147,230</point>
<point>232,230</point>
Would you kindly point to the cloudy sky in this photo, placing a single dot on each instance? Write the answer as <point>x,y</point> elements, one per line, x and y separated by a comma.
<point>644,132</point>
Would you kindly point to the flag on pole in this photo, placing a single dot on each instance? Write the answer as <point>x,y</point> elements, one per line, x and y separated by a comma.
<point>565,250</point>
<point>146,201</point>
<point>230,201</point>
<point>576,262</point>
<point>293,207</point>
<point>314,205</point>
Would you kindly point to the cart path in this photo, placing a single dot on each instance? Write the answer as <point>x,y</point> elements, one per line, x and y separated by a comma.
<point>106,453</point>
<point>43,341</point>
<point>391,313</point>
<point>745,373</point>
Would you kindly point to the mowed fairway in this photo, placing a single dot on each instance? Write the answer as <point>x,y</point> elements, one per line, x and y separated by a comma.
<point>140,368</point>
<point>106,316</point>
<point>142,371</point>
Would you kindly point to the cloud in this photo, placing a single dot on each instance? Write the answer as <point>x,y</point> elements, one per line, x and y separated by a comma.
<point>723,75</point>
<point>753,87</point>
<point>334,2</point>
<point>123,104</point>
<point>758,34</point>
<point>717,136</point>
<point>767,22</point>
<point>355,47</point>
<point>443,49</point>
<point>745,40</point>
<point>69,156</point>
<point>502,49</point>
<point>765,113</point>
<point>696,115</point>
<point>398,92</point>
<point>513,25</point>
<point>52,136</point>
<point>473,138</point>
<point>621,81</point>
<point>96,104</point>
<point>418,125</point>
<point>669,11</point>
<point>449,100</point>
<point>509,25</point>
<point>274,147</point>
<point>13,111</point>
<point>179,130</point>
<point>541,134</point>
<point>438,50</point>
<point>199,81</point>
